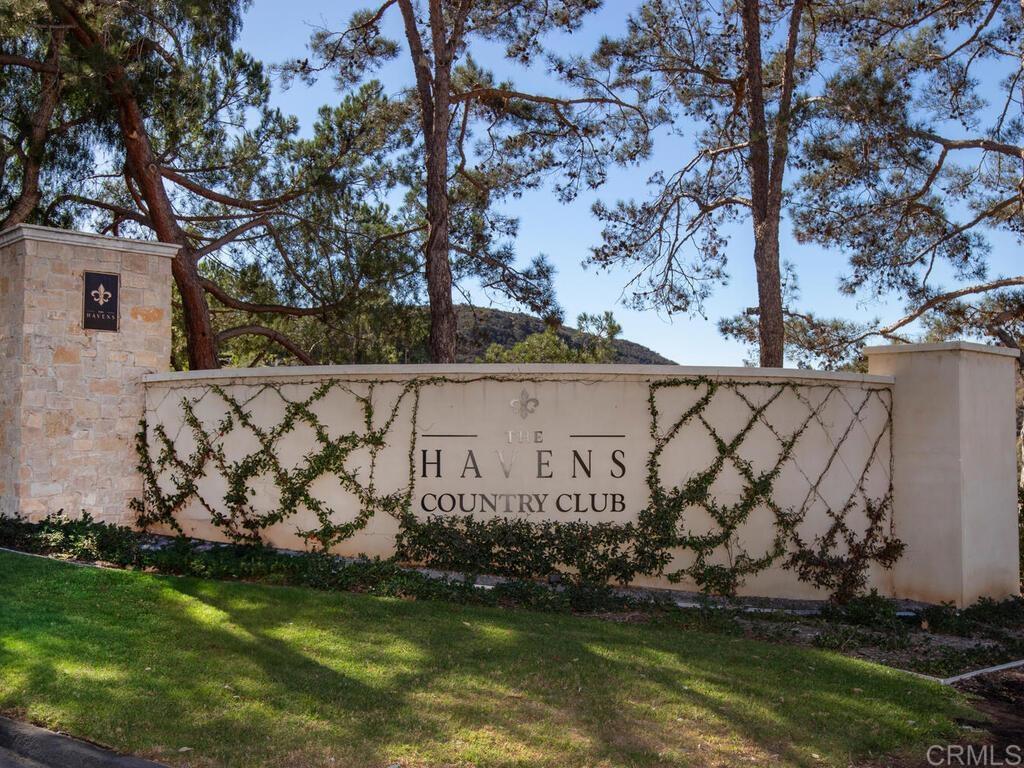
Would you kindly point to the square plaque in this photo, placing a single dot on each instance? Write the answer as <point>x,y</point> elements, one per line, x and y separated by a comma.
<point>100,301</point>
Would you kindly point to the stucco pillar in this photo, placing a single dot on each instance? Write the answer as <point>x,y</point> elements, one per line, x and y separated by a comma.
<point>955,467</point>
<point>71,397</point>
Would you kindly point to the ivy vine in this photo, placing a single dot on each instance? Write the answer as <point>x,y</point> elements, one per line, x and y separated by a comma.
<point>236,515</point>
<point>837,560</point>
<point>720,561</point>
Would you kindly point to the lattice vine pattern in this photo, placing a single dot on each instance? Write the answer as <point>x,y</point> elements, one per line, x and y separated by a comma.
<point>831,444</point>
<point>172,475</point>
<point>742,476</point>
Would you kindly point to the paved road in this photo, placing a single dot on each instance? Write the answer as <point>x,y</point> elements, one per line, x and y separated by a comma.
<point>10,759</point>
<point>26,746</point>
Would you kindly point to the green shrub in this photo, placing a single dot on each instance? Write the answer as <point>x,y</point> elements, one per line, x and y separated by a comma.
<point>1007,614</point>
<point>592,553</point>
<point>79,539</point>
<point>841,638</point>
<point>16,533</point>
<point>872,610</point>
<point>985,616</point>
<point>945,619</point>
<point>87,540</point>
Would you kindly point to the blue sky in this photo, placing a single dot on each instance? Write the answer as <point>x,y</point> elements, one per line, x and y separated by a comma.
<point>275,31</point>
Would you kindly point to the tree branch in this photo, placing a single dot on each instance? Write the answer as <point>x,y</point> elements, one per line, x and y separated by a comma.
<point>504,93</point>
<point>38,133</point>
<point>270,333</point>
<point>780,150</point>
<point>23,61</point>
<point>974,36</point>
<point>229,236</point>
<point>937,301</point>
<point>420,65</point>
<point>987,145</point>
<point>228,300</point>
<point>220,197</point>
<point>125,213</point>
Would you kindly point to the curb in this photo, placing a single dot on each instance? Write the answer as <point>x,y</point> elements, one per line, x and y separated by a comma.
<point>965,675</point>
<point>59,751</point>
<point>985,671</point>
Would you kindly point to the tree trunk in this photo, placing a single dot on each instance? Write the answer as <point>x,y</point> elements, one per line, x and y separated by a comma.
<point>433,90</point>
<point>438,263</point>
<point>201,342</point>
<point>144,169</point>
<point>436,120</point>
<point>771,330</point>
<point>49,96</point>
<point>765,197</point>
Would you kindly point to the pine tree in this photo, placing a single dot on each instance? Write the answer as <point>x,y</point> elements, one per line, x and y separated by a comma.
<point>174,139</point>
<point>479,138</point>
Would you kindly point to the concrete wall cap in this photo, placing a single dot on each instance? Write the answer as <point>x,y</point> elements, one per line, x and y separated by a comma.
<point>945,346</point>
<point>560,370</point>
<point>85,240</point>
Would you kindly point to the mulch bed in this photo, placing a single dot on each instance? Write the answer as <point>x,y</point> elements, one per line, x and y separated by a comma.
<point>1000,698</point>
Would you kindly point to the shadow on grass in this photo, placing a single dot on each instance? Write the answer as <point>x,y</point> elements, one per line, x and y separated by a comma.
<point>250,675</point>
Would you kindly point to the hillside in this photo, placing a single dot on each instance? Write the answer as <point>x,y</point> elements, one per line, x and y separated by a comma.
<point>479,327</point>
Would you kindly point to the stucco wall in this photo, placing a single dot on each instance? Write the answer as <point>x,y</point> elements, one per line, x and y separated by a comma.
<point>518,442</point>
<point>955,494</point>
<point>73,397</point>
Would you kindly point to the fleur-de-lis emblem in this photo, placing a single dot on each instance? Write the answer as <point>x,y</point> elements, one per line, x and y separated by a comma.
<point>101,295</point>
<point>524,405</point>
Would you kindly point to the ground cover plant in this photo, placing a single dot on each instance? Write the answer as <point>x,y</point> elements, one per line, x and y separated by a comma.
<point>936,640</point>
<point>197,672</point>
<point>86,540</point>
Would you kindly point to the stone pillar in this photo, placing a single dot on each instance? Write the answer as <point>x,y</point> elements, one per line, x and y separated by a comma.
<point>955,469</point>
<point>71,398</point>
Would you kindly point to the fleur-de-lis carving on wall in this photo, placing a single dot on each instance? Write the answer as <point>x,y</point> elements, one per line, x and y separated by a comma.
<point>101,295</point>
<point>524,405</point>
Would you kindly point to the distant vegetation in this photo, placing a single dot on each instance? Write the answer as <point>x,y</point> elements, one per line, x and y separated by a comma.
<point>495,336</point>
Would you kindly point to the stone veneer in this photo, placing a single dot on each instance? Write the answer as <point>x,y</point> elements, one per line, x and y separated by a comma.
<point>71,399</point>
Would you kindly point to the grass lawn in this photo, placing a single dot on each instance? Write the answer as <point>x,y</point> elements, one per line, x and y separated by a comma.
<point>250,675</point>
